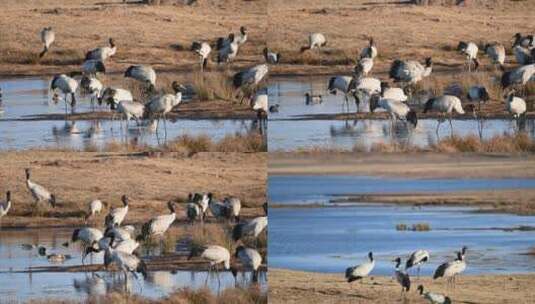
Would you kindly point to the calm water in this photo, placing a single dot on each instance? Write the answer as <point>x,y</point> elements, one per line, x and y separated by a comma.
<point>26,97</point>
<point>17,286</point>
<point>286,134</point>
<point>331,239</point>
<point>305,189</point>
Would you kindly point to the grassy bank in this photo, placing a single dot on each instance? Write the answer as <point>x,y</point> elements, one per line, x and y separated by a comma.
<point>251,295</point>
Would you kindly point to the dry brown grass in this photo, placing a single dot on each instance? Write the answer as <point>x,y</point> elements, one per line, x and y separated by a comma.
<point>187,145</point>
<point>182,296</point>
<point>203,235</point>
<point>211,86</point>
<point>518,143</point>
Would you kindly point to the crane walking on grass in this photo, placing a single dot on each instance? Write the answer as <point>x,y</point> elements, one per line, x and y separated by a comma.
<point>38,192</point>
<point>47,38</point>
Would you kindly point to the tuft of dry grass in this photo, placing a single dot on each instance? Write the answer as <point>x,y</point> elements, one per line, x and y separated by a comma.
<point>182,296</point>
<point>518,143</point>
<point>252,142</point>
<point>189,145</point>
<point>212,86</point>
<point>506,143</point>
<point>202,235</point>
<point>319,57</point>
<point>414,227</point>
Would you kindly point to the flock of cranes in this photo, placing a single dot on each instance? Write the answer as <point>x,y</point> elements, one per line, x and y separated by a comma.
<point>449,270</point>
<point>120,245</point>
<point>379,93</point>
<point>154,105</point>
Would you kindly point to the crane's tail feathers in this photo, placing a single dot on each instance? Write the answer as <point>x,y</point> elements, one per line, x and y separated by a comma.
<point>45,50</point>
<point>352,279</point>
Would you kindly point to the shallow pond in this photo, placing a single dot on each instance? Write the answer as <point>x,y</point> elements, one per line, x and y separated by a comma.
<point>25,97</point>
<point>16,285</point>
<point>328,239</point>
<point>286,133</point>
<point>331,239</point>
<point>307,189</point>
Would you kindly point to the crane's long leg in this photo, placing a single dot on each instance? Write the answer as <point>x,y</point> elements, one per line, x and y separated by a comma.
<point>451,126</point>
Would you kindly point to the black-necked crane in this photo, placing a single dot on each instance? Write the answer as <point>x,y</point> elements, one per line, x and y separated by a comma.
<point>39,193</point>
<point>251,228</point>
<point>112,96</point>
<point>144,74</point>
<point>242,36</point>
<point>445,105</point>
<point>479,94</point>
<point>433,297</point>
<point>259,103</point>
<point>315,41</point>
<point>389,92</point>
<point>202,49</point>
<point>397,110</point>
<point>452,269</point>
<point>116,215</point>
<point>343,84</point>
<point>410,72</point>
<point>95,207</point>
<point>102,53</point>
<point>249,78</point>
<point>67,86</point>
<point>47,38</point>
<point>417,258</point>
<point>311,99</point>
<point>271,57</point>
<point>87,236</point>
<point>130,110</point>
<point>92,66</point>
<point>217,208</point>
<point>120,233</point>
<point>522,55</point>
<point>360,271</point>
<point>128,263</point>
<point>516,106</point>
<point>126,245</point>
<point>519,76</point>
<point>193,210</point>
<point>250,259</point>
<point>496,53</point>
<point>402,278</point>
<point>203,201</point>
<point>233,205</point>
<point>157,226</point>
<point>370,51</point>
<point>214,254</point>
<point>227,49</point>
<point>364,66</point>
<point>94,87</point>
<point>470,50</point>
<point>526,41</point>
<point>365,88</point>
<point>6,205</point>
<point>159,106</point>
